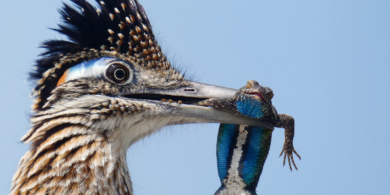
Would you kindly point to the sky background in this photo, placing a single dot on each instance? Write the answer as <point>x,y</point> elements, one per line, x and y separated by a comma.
<point>327,61</point>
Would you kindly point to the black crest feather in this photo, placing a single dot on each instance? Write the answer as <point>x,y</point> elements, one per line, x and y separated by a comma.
<point>86,28</point>
<point>115,25</point>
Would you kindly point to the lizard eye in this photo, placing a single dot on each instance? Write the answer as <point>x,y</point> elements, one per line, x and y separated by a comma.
<point>119,72</point>
<point>269,93</point>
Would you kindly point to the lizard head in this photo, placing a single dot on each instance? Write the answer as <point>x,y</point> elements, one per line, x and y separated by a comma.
<point>254,100</point>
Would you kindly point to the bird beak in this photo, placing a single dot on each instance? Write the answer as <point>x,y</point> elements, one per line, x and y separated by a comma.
<point>195,92</point>
<point>217,116</point>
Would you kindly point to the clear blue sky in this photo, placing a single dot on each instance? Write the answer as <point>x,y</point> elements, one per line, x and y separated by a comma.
<point>328,62</point>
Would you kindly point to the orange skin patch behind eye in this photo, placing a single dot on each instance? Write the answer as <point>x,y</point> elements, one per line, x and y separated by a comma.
<point>63,78</point>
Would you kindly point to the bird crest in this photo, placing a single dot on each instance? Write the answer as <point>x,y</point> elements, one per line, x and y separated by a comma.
<point>115,28</point>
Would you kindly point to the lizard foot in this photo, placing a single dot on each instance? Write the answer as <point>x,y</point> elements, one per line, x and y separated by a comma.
<point>288,153</point>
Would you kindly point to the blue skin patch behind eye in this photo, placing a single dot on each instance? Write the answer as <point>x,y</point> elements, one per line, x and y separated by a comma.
<point>84,65</point>
<point>91,68</point>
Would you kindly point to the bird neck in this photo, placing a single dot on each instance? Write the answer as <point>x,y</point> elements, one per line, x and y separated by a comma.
<point>79,144</point>
<point>72,159</point>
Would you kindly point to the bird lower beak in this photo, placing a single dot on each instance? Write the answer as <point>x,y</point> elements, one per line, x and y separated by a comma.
<point>217,116</point>
<point>195,92</point>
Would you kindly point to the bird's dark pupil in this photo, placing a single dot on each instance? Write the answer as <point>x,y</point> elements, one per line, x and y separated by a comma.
<point>119,74</point>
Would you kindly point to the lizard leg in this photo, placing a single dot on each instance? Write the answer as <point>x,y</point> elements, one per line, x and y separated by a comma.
<point>287,122</point>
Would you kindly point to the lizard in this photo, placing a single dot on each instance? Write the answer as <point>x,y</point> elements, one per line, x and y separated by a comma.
<point>241,149</point>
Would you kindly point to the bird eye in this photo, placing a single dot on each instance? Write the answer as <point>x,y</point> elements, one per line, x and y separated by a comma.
<point>119,73</point>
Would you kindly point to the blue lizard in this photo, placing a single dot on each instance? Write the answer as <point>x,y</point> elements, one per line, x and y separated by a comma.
<point>241,149</point>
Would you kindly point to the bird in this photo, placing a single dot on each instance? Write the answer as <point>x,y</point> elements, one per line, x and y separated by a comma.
<point>105,87</point>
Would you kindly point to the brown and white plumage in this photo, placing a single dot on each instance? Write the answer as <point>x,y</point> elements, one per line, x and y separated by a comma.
<point>82,127</point>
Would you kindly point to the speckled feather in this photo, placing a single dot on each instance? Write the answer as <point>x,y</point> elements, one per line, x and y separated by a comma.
<point>79,134</point>
<point>79,144</point>
<point>118,28</point>
<point>82,128</point>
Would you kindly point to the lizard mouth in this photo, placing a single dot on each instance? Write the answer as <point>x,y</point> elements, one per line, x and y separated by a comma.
<point>257,96</point>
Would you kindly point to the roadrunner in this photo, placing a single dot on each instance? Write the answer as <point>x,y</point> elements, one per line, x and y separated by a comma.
<point>106,88</point>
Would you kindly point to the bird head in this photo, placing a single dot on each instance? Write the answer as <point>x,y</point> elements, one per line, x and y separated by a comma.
<point>113,71</point>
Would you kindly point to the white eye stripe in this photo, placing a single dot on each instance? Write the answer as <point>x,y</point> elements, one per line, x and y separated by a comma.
<point>93,68</point>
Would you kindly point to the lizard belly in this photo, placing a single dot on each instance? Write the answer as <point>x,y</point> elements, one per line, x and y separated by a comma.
<point>241,154</point>
<point>242,150</point>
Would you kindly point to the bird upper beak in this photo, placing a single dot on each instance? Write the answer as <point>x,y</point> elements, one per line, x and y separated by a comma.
<point>194,92</point>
